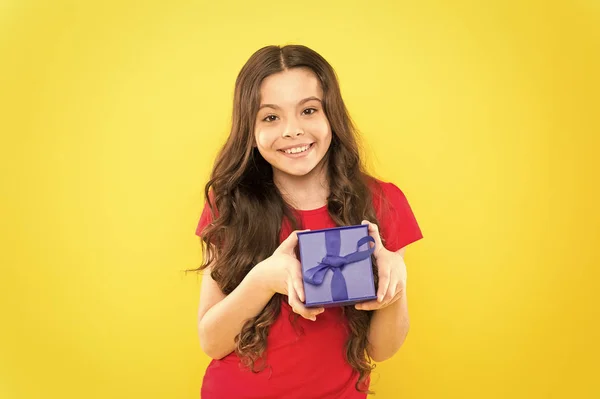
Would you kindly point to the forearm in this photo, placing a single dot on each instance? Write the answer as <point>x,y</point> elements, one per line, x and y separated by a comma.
<point>388,330</point>
<point>223,322</point>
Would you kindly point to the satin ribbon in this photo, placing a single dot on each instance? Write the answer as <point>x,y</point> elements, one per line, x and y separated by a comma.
<point>336,263</point>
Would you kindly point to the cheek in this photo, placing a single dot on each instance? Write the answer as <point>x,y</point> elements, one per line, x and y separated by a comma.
<point>263,139</point>
<point>320,128</point>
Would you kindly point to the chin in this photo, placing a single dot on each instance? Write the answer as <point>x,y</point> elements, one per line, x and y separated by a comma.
<point>297,172</point>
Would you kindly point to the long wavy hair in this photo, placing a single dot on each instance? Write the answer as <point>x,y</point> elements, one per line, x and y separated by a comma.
<point>245,202</point>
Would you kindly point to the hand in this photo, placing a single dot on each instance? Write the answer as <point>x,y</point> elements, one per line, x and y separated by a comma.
<point>392,274</point>
<point>282,273</point>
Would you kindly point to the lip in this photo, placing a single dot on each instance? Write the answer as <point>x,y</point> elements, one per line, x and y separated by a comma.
<point>295,146</point>
<point>299,154</point>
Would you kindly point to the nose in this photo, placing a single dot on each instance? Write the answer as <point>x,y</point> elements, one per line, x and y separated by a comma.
<point>288,134</point>
<point>292,129</point>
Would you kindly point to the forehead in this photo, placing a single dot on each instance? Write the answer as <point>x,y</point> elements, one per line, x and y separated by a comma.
<point>290,86</point>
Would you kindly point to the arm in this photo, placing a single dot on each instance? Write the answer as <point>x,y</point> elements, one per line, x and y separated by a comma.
<point>220,317</point>
<point>390,323</point>
<point>389,327</point>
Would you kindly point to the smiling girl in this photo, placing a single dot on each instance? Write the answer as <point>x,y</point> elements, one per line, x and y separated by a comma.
<point>292,162</point>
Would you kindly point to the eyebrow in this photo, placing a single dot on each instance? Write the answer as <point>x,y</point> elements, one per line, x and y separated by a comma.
<point>274,106</point>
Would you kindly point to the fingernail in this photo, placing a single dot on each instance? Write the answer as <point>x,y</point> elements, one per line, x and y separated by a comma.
<point>380,298</point>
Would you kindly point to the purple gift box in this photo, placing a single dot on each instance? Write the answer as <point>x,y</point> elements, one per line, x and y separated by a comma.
<point>336,266</point>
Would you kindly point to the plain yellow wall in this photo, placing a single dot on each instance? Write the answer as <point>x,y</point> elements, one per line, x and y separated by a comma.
<point>484,113</point>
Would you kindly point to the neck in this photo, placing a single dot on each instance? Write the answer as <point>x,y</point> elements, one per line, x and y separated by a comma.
<point>303,192</point>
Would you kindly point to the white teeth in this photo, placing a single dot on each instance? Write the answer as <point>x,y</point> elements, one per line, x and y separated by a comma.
<point>297,149</point>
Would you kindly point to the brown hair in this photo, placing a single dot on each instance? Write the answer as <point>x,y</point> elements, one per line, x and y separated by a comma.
<point>251,209</point>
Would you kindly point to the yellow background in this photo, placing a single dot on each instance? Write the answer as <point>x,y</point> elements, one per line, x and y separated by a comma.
<point>484,113</point>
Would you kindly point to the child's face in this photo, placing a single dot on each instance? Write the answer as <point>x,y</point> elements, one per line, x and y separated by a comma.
<point>292,132</point>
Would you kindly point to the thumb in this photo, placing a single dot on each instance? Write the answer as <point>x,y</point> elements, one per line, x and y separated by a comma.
<point>374,232</point>
<point>288,245</point>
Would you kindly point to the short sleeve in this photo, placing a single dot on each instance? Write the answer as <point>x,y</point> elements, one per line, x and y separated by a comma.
<point>205,218</point>
<point>397,223</point>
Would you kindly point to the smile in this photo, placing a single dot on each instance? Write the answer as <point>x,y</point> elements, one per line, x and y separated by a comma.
<point>300,150</point>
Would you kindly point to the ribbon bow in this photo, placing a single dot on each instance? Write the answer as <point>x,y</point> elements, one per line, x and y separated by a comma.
<point>336,263</point>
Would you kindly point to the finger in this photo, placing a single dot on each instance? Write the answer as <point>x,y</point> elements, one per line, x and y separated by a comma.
<point>314,312</point>
<point>384,282</point>
<point>387,298</point>
<point>369,305</point>
<point>298,283</point>
<point>298,307</point>
<point>307,313</point>
<point>289,244</point>
<point>374,232</point>
<point>374,305</point>
<point>391,291</point>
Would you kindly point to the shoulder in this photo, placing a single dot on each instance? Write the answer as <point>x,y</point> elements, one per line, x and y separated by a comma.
<point>385,194</point>
<point>397,222</point>
<point>209,213</point>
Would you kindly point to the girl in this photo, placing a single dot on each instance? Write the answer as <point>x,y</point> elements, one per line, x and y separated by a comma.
<point>292,161</point>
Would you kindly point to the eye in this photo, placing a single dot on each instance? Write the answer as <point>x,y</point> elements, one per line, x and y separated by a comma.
<point>309,111</point>
<point>270,118</point>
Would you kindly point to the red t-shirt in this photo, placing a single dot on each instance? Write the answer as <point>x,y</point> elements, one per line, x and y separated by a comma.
<point>310,364</point>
